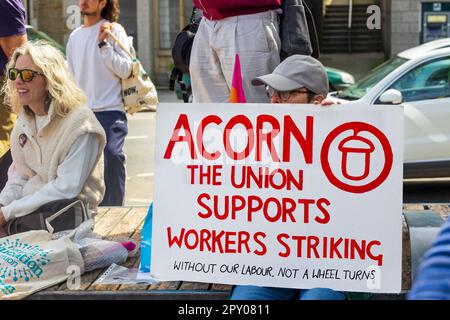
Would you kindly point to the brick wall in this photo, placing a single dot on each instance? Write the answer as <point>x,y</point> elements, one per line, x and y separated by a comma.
<point>50,18</point>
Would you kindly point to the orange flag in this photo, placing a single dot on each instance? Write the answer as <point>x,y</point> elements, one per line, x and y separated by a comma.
<point>237,94</point>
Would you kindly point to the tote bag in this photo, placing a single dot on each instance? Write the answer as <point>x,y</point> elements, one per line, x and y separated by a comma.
<point>138,90</point>
<point>32,261</point>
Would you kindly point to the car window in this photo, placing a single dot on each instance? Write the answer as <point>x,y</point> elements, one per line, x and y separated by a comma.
<point>430,80</point>
<point>359,89</point>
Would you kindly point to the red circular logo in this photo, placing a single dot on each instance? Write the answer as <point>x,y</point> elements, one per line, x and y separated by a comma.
<point>357,127</point>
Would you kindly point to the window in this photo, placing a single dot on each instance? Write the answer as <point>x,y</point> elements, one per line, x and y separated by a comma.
<point>169,22</point>
<point>430,80</point>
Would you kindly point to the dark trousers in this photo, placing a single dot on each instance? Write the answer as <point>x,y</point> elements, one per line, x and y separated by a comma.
<point>115,125</point>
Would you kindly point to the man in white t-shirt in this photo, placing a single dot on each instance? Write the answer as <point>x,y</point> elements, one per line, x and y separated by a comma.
<point>98,65</point>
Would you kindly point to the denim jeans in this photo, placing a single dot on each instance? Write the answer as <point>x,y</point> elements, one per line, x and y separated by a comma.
<point>116,128</point>
<point>266,293</point>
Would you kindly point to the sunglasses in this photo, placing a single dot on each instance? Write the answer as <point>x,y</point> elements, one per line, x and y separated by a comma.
<point>26,75</point>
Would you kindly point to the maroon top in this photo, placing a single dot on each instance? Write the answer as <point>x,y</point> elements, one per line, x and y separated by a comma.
<point>220,9</point>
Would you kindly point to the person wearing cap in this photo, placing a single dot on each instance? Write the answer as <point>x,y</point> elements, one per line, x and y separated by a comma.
<point>298,79</point>
<point>303,80</point>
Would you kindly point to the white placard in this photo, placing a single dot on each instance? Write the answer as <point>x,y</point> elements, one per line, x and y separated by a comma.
<point>293,196</point>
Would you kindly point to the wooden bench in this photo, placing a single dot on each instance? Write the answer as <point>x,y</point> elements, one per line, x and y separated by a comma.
<point>116,223</point>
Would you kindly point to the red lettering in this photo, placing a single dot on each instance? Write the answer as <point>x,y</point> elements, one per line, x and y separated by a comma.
<point>256,237</point>
<point>313,242</point>
<point>360,249</point>
<point>209,212</point>
<point>195,237</point>
<point>175,240</point>
<point>205,237</point>
<point>192,170</point>
<point>266,212</point>
<point>217,240</point>
<point>216,174</point>
<point>252,208</point>
<point>334,248</point>
<point>378,258</point>
<point>250,135</point>
<point>288,210</point>
<point>224,215</point>
<point>235,207</point>
<point>299,240</point>
<point>243,239</point>
<point>203,124</point>
<point>305,142</point>
<point>306,203</point>
<point>267,137</point>
<point>182,123</point>
<point>287,251</point>
<point>326,215</point>
<point>230,242</point>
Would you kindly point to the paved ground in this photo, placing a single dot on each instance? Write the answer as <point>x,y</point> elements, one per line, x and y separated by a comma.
<point>139,146</point>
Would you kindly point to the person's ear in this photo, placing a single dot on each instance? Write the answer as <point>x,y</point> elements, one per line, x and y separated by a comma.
<point>318,99</point>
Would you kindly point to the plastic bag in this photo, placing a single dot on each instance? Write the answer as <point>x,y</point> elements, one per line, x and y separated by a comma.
<point>119,275</point>
<point>96,252</point>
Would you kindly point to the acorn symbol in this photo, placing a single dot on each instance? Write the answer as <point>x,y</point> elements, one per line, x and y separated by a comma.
<point>356,147</point>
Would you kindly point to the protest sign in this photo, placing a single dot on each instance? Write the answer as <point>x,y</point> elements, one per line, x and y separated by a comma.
<point>294,196</point>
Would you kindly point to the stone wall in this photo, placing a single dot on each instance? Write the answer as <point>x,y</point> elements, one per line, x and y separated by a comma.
<point>50,18</point>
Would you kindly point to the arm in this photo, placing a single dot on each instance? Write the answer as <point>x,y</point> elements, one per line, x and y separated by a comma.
<point>12,33</point>
<point>13,188</point>
<point>9,44</point>
<point>12,191</point>
<point>71,176</point>
<point>116,60</point>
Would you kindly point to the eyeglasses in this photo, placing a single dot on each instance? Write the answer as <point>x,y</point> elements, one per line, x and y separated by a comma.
<point>285,95</point>
<point>26,75</point>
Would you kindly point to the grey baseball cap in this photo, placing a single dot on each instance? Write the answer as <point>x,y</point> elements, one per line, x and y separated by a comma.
<point>296,72</point>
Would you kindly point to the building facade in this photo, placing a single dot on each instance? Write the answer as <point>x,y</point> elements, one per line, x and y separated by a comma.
<point>153,24</point>
<point>417,21</point>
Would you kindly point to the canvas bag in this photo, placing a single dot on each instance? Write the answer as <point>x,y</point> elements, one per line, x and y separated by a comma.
<point>138,90</point>
<point>32,261</point>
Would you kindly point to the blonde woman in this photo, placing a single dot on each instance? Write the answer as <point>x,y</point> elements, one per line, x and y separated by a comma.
<point>57,142</point>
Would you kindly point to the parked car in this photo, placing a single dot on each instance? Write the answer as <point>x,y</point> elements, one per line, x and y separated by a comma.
<point>420,79</point>
<point>34,34</point>
<point>338,79</point>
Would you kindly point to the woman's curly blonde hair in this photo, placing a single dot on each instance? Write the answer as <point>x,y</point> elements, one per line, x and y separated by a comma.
<point>61,85</point>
